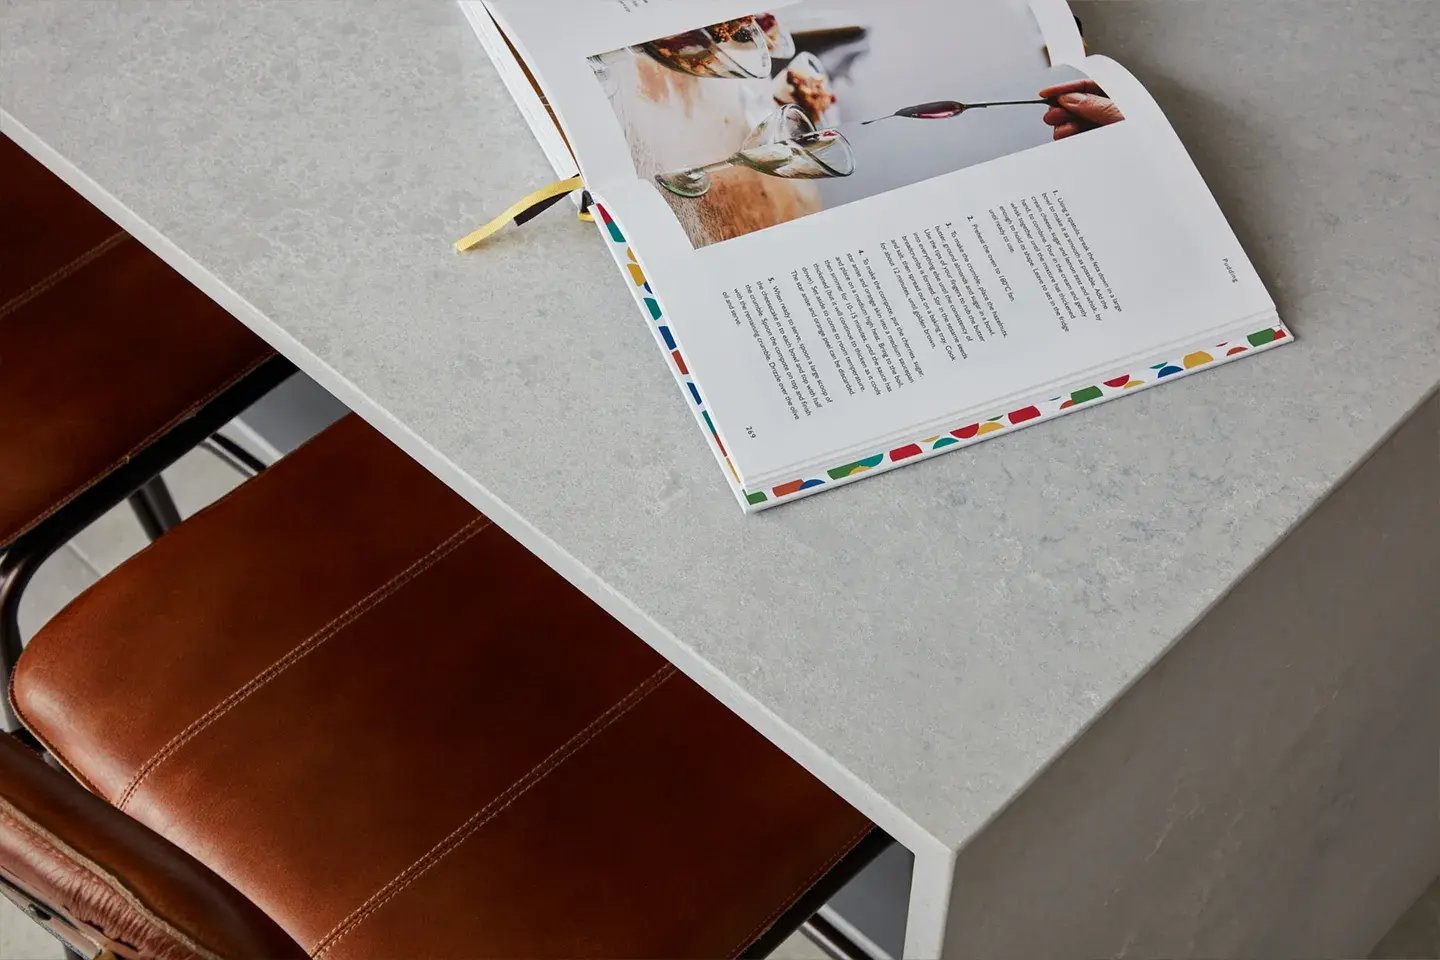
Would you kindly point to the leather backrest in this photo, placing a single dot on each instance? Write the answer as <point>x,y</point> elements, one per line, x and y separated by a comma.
<point>104,349</point>
<point>106,882</point>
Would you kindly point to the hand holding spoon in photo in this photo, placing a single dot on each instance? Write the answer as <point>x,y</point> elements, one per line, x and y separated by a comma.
<point>1077,106</point>
<point>945,109</point>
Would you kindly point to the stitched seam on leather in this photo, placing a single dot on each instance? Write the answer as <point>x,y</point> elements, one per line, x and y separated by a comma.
<point>791,900</point>
<point>39,287</point>
<point>493,809</point>
<point>61,850</point>
<point>190,411</point>
<point>304,648</point>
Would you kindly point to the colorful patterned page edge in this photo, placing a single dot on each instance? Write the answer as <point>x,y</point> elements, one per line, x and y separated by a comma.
<point>962,436</point>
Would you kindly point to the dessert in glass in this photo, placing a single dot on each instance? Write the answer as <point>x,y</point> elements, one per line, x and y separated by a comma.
<point>805,83</point>
<point>734,49</point>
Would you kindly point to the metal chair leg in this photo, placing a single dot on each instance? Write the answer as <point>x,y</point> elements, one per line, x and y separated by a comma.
<point>15,572</point>
<point>801,915</point>
<point>235,456</point>
<point>830,941</point>
<point>155,508</point>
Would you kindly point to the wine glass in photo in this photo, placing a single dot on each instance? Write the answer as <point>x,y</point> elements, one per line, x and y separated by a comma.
<point>735,49</point>
<point>777,38</point>
<point>604,66</point>
<point>785,145</point>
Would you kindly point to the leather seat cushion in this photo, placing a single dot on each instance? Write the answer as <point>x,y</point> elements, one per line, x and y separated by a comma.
<point>399,733</point>
<point>103,880</point>
<point>102,346</point>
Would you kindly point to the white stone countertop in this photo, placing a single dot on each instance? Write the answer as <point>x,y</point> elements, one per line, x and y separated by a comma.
<point>926,641</point>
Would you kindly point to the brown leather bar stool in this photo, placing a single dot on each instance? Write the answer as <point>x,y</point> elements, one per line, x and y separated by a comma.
<point>396,733</point>
<point>111,367</point>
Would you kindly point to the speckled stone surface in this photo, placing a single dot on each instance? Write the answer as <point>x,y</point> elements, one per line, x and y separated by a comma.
<point>927,640</point>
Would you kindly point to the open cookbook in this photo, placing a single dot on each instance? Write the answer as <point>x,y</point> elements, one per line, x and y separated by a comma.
<point>867,233</point>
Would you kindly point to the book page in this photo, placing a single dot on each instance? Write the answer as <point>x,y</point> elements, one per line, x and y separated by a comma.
<point>861,218</point>
<point>622,75</point>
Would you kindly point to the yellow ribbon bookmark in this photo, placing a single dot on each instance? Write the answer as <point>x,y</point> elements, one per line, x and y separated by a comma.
<point>524,209</point>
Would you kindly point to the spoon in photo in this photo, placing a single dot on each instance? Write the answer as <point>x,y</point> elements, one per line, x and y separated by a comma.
<point>945,109</point>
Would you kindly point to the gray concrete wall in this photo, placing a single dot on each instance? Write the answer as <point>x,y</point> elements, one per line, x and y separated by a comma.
<point>1270,788</point>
